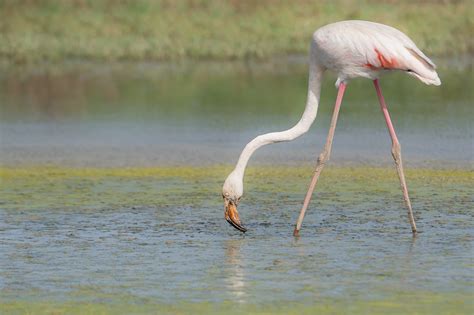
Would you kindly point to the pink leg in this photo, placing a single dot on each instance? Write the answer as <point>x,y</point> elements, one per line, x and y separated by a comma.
<point>397,155</point>
<point>322,159</point>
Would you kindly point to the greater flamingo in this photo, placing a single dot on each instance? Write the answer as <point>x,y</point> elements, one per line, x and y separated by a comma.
<point>351,49</point>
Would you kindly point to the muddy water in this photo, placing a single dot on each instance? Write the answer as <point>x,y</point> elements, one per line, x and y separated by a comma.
<point>109,196</point>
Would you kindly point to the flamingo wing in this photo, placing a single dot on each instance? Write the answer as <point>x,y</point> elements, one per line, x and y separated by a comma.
<point>388,48</point>
<point>362,48</point>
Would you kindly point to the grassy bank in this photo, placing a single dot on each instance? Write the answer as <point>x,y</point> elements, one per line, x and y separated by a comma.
<point>103,30</point>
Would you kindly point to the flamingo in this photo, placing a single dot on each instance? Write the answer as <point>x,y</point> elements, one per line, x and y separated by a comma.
<point>351,49</point>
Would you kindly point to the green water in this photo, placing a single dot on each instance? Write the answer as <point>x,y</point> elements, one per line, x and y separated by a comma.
<point>111,178</point>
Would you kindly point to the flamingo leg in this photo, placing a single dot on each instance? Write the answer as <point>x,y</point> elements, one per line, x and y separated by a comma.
<point>397,155</point>
<point>322,159</point>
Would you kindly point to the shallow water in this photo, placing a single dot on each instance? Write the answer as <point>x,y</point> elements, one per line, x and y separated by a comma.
<point>203,114</point>
<point>158,236</point>
<point>129,218</point>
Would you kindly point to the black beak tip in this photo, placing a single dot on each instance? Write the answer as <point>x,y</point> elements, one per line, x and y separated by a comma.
<point>237,226</point>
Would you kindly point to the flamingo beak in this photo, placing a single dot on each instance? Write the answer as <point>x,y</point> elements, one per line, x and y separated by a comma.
<point>232,216</point>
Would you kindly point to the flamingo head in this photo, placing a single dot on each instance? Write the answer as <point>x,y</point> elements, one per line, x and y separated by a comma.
<point>232,192</point>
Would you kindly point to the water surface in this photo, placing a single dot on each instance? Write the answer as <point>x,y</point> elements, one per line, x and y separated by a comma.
<point>196,114</point>
<point>110,193</point>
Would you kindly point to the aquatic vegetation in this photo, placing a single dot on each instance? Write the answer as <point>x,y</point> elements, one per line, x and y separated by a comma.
<point>67,188</point>
<point>416,303</point>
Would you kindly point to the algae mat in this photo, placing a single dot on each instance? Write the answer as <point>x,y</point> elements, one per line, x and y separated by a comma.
<point>153,240</point>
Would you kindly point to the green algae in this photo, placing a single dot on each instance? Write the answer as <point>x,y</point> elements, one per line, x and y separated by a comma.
<point>96,188</point>
<point>402,303</point>
<point>202,172</point>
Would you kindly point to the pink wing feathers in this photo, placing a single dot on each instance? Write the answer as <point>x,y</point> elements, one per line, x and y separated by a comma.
<point>390,49</point>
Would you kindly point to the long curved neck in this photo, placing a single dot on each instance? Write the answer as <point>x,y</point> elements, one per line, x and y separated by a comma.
<point>314,88</point>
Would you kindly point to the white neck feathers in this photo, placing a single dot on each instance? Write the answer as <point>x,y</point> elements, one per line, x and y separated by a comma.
<point>303,125</point>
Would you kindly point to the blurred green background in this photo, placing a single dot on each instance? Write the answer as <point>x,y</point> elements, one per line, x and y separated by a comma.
<point>36,31</point>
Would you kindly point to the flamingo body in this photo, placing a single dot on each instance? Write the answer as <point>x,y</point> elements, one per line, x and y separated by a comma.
<point>367,49</point>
